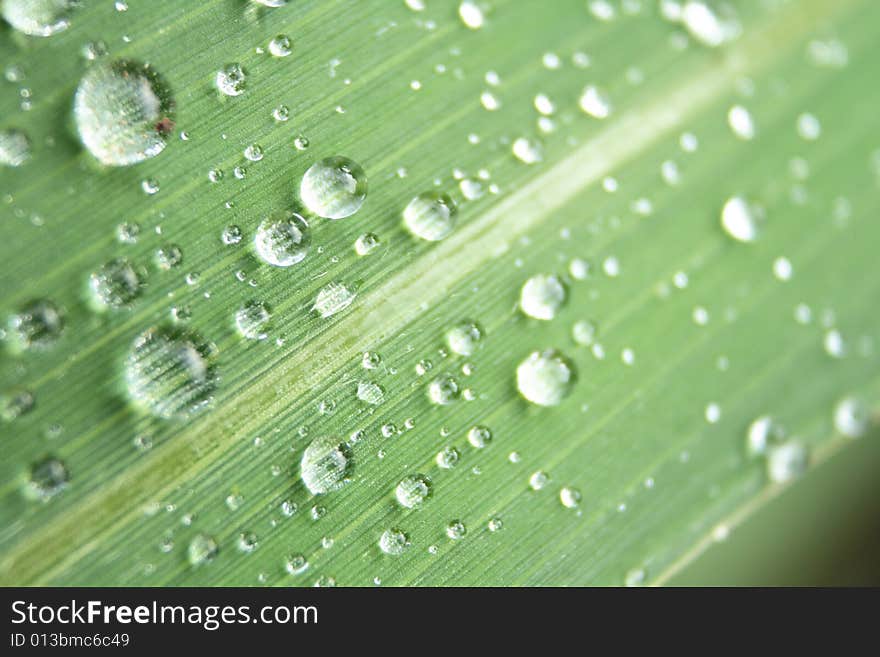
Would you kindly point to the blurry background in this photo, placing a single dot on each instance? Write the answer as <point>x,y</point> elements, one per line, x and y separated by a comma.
<point>824,530</point>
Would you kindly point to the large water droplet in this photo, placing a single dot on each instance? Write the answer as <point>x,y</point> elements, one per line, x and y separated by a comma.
<point>38,17</point>
<point>171,372</point>
<point>545,377</point>
<point>326,465</point>
<point>283,239</point>
<point>542,296</point>
<point>443,390</point>
<point>430,216</point>
<point>123,112</point>
<point>334,187</point>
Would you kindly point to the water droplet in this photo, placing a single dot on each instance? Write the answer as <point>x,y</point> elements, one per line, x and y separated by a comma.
<point>413,490</point>
<point>447,458</point>
<point>584,332</point>
<point>393,542</point>
<point>527,151</point>
<point>712,413</point>
<point>763,432</point>
<point>370,360</point>
<point>471,14</point>
<point>595,102</point>
<point>15,403</point>
<point>740,219</point>
<point>252,319</point>
<point>171,372</point>
<point>283,239</point>
<point>280,46</point>
<point>786,461</point>
<point>15,147</point>
<point>741,123</point>
<point>253,152</point>
<point>851,417</point>
<point>456,530</point>
<point>296,564</point>
<point>782,268</point>
<point>333,298</point>
<point>538,480</point>
<point>542,296</point>
<point>202,549</point>
<point>325,581</point>
<point>430,216</point>
<point>37,325</point>
<point>495,525</point>
<point>247,542</point>
<point>463,338</point>
<point>634,577</point>
<point>231,80</point>
<point>281,113</point>
<point>41,18</point>
<point>808,127</point>
<point>833,344</point>
<point>116,284</point>
<point>366,243</point>
<point>231,234</point>
<point>545,377</point>
<point>168,256</point>
<point>123,112</point>
<point>370,393</point>
<point>326,465</point>
<point>334,188</point>
<point>301,142</point>
<point>443,390</point>
<point>570,497</point>
<point>710,26</point>
<point>479,436</point>
<point>579,269</point>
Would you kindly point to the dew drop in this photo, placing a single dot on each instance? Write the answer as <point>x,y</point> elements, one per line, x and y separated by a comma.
<point>15,147</point>
<point>851,417</point>
<point>443,390</point>
<point>334,188</point>
<point>538,480</point>
<point>570,497</point>
<point>545,377</point>
<point>231,234</point>
<point>370,393</point>
<point>527,151</point>
<point>116,285</point>
<point>283,239</point>
<point>123,112</point>
<point>171,372</point>
<point>333,298</point>
<point>456,530</point>
<point>464,338</point>
<point>296,564</point>
<point>366,243</point>
<point>740,219</point>
<point>542,296</point>
<point>37,325</point>
<point>430,216</point>
<point>447,458</point>
<point>253,319</point>
<point>479,436</point>
<point>584,332</point>
<point>202,549</point>
<point>595,102</point>
<point>413,490</point>
<point>741,123</point>
<point>326,465</point>
<point>41,18</point>
<point>280,46</point>
<point>15,403</point>
<point>711,27</point>
<point>393,542</point>
<point>471,14</point>
<point>231,80</point>
<point>786,461</point>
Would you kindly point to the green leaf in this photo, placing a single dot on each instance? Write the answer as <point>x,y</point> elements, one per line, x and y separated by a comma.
<point>698,335</point>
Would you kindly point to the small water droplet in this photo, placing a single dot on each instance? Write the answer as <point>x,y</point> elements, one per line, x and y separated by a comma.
<point>393,542</point>
<point>41,18</point>
<point>202,549</point>
<point>283,239</point>
<point>786,461</point>
<point>36,325</point>
<point>15,147</point>
<point>326,465</point>
<point>542,296</point>
<point>413,490</point>
<point>456,530</point>
<point>430,216</point>
<point>231,80</point>
<point>253,319</point>
<point>280,46</point>
<point>443,390</point>
<point>333,298</point>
